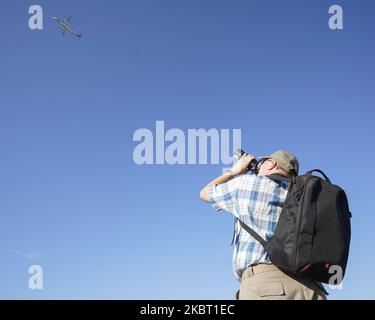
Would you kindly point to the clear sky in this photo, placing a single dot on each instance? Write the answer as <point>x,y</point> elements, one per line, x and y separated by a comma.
<point>71,197</point>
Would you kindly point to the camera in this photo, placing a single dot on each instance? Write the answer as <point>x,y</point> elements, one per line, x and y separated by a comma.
<point>253,165</point>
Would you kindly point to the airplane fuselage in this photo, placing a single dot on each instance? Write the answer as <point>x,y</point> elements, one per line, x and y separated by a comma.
<point>65,26</point>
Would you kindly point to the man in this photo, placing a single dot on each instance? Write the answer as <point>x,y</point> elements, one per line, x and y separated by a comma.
<point>257,199</point>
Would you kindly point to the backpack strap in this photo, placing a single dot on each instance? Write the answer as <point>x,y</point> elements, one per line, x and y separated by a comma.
<point>276,176</point>
<point>253,233</point>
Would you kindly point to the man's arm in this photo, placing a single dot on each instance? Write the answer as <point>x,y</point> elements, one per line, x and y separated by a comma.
<point>239,168</point>
<point>222,179</point>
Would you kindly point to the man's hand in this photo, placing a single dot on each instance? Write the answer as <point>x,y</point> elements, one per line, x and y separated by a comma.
<point>241,167</point>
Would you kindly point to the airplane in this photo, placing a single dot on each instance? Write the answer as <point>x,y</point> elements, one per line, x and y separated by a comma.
<point>65,26</point>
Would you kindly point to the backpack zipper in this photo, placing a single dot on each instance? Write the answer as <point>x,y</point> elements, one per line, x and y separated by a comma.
<point>299,223</point>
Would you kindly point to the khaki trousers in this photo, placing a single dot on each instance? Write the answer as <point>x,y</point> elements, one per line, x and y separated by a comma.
<point>267,282</point>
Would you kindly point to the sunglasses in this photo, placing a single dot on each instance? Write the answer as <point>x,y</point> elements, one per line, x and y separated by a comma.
<point>260,162</point>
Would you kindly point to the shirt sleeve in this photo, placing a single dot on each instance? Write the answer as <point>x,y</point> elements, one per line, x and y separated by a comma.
<point>223,196</point>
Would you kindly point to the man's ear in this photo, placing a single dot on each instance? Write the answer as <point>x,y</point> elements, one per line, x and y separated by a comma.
<point>274,165</point>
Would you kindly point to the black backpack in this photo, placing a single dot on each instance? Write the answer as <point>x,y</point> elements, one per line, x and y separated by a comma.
<point>313,230</point>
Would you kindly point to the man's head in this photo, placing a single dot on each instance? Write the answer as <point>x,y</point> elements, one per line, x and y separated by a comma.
<point>280,162</point>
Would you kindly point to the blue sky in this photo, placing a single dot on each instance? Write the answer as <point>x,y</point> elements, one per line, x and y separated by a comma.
<point>102,227</point>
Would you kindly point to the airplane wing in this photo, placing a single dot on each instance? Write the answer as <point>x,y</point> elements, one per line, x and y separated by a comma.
<point>68,20</point>
<point>63,32</point>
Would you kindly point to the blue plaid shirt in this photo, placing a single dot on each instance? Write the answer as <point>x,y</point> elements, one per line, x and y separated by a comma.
<point>257,201</point>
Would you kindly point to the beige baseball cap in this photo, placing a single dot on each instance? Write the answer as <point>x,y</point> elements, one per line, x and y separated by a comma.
<point>286,161</point>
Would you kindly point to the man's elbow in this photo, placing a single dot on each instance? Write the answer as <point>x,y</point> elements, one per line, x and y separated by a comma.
<point>203,195</point>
